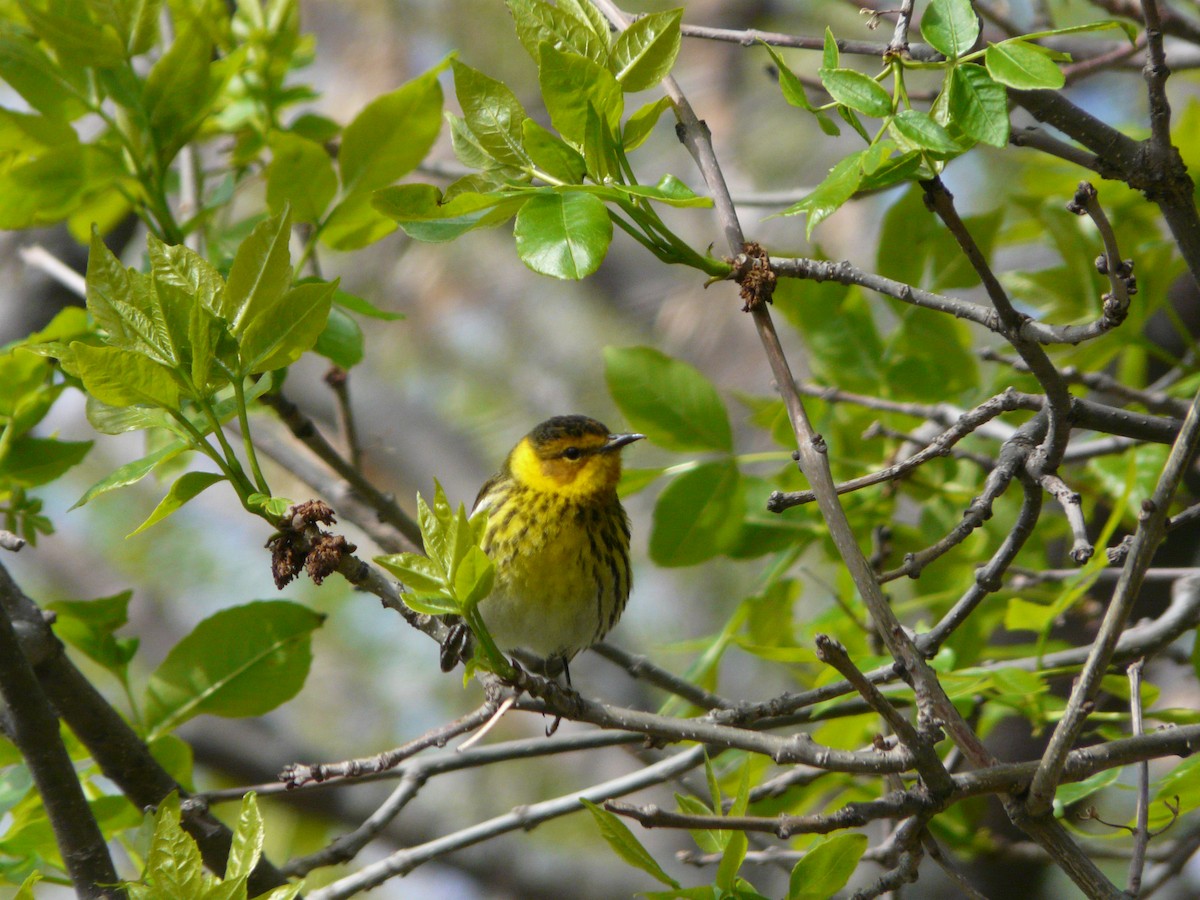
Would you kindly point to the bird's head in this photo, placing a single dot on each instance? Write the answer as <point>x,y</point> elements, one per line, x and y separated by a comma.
<point>571,456</point>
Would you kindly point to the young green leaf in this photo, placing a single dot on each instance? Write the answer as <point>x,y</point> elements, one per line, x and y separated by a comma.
<point>667,399</point>
<point>645,51</point>
<point>855,90</point>
<point>341,341</point>
<point>1022,65</point>
<point>132,472</point>
<point>123,377</point>
<point>425,215</point>
<point>978,105</point>
<point>280,334</point>
<point>492,113</point>
<point>90,625</point>
<point>919,129</point>
<point>247,840</point>
<point>300,176</point>
<point>571,83</point>
<point>393,133</point>
<point>539,22</point>
<point>552,155</point>
<point>32,461</point>
<point>474,577</point>
<point>563,234</point>
<point>950,27</point>
<point>829,53</point>
<point>839,186</point>
<point>188,289</point>
<point>698,514</point>
<point>825,869</point>
<point>641,123</point>
<point>241,661</point>
<point>173,865</point>
<point>53,90</point>
<point>261,273</point>
<point>625,844</point>
<point>179,91</point>
<point>420,574</point>
<point>586,11</point>
<point>187,486</point>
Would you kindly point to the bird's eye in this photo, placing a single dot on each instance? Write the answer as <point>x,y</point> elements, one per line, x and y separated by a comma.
<point>572,453</point>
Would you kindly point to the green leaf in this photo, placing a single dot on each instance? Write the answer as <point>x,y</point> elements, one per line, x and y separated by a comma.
<point>918,128</point>
<point>51,89</point>
<point>187,289</point>
<point>493,114</point>
<point>826,868</point>
<point>418,573</point>
<point>247,840</point>
<point>1066,794</point>
<point>173,865</point>
<point>855,90</point>
<point>839,186</point>
<point>641,123</point>
<point>625,844</point>
<point>539,22</point>
<point>586,11</point>
<point>242,661</point>
<point>563,234</point>
<point>424,215</point>
<point>950,27</point>
<point>978,105</point>
<point>89,626</point>
<point>392,134</point>
<point>570,83</point>
<point>300,176</point>
<point>698,515</point>
<point>126,305</point>
<point>187,486</point>
<point>260,274</point>
<point>1019,64</point>
<point>354,223</point>
<point>837,325</point>
<point>32,461</point>
<point>123,377</point>
<point>731,860</point>
<point>280,334</point>
<point>474,577</point>
<point>132,472</point>
<point>789,83</point>
<point>669,190</point>
<point>341,341</point>
<point>76,38</point>
<point>645,51</point>
<point>551,154</point>
<point>179,91</point>
<point>829,51</point>
<point>667,399</point>
<point>363,307</point>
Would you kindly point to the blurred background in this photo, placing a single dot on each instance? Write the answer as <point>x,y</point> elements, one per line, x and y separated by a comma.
<point>487,349</point>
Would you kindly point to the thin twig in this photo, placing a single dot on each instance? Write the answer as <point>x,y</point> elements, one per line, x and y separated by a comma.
<point>38,257</point>
<point>1141,832</point>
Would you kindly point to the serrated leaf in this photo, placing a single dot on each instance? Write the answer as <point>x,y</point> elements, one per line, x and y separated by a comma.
<point>854,89</point>
<point>950,27</point>
<point>563,234</point>
<point>625,844</point>
<point>418,573</point>
<point>392,134</point>
<point>242,661</point>
<point>173,865</point>
<point>1019,64</point>
<point>187,486</point>
<point>668,400</point>
<point>645,51</point>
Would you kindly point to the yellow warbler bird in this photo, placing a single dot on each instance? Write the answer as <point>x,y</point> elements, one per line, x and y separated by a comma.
<point>559,538</point>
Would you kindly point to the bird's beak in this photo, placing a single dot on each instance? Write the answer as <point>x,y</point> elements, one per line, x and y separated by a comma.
<point>617,441</point>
